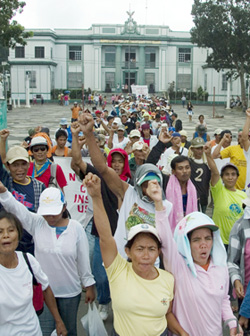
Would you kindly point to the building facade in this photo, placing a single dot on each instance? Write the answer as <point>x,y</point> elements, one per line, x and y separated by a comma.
<point>110,58</point>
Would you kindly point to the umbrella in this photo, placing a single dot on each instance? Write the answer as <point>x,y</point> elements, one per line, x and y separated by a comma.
<point>67,91</point>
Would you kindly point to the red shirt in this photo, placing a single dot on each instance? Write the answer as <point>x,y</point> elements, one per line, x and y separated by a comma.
<point>61,180</point>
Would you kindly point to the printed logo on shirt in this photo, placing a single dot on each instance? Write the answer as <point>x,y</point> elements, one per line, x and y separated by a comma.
<point>165,302</point>
<point>235,208</point>
<point>22,199</point>
<point>221,287</point>
<point>138,215</point>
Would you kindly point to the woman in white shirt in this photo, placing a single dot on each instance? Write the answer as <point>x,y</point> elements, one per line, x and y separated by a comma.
<point>61,247</point>
<point>17,314</point>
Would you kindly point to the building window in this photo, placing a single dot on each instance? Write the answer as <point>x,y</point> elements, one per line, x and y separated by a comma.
<point>109,57</point>
<point>39,52</point>
<point>150,57</point>
<point>32,78</point>
<point>184,55</point>
<point>150,82</point>
<point>184,82</point>
<point>109,81</point>
<point>19,52</point>
<point>130,57</point>
<point>75,53</point>
<point>74,80</point>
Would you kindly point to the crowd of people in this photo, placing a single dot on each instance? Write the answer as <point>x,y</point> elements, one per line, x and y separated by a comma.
<point>147,245</point>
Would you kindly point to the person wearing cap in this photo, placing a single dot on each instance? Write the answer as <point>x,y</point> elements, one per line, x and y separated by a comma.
<point>64,126</point>
<point>217,136</point>
<point>117,137</point>
<point>140,152</point>
<point>176,123</point>
<point>198,261</point>
<point>41,167</point>
<point>134,282</point>
<point>184,142</point>
<point>134,203</point>
<point>134,136</point>
<point>246,145</point>
<point>61,248</point>
<point>238,252</point>
<point>200,172</point>
<point>227,198</point>
<point>145,117</point>
<point>129,126</point>
<point>75,109</point>
<point>156,124</point>
<point>201,131</point>
<point>172,151</point>
<point>147,137</point>
<point>60,148</point>
<point>236,155</point>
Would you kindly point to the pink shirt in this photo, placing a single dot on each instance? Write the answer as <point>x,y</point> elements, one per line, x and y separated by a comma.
<point>247,263</point>
<point>200,303</point>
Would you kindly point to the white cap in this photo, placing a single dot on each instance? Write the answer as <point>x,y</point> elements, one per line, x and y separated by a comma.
<point>147,228</point>
<point>135,133</point>
<point>183,133</point>
<point>51,202</point>
<point>17,153</point>
<point>138,145</point>
<point>39,140</point>
<point>117,121</point>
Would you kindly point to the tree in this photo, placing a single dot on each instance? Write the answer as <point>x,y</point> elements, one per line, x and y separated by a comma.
<point>11,32</point>
<point>224,26</point>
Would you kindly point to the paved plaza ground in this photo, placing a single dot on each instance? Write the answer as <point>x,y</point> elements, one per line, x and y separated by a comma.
<point>20,120</point>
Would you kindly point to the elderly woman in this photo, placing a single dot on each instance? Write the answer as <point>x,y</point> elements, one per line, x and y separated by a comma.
<point>17,314</point>
<point>140,308</point>
<point>197,259</point>
<point>61,247</point>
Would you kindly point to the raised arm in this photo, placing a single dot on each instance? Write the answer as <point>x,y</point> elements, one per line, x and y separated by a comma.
<point>245,131</point>
<point>215,175</point>
<point>115,184</point>
<point>159,148</point>
<point>77,163</point>
<point>107,243</point>
<point>217,150</point>
<point>4,133</point>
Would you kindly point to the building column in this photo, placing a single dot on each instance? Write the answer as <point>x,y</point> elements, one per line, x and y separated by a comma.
<point>118,64</point>
<point>141,80</point>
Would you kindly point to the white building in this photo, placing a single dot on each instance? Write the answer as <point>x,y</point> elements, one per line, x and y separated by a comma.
<point>105,57</point>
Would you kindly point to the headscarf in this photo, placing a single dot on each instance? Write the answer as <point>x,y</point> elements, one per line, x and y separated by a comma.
<point>197,220</point>
<point>125,175</point>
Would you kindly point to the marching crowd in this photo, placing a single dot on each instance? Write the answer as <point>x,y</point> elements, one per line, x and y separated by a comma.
<point>147,244</point>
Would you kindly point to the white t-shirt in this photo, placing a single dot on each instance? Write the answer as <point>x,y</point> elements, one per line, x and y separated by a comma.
<point>134,211</point>
<point>117,144</point>
<point>65,260</point>
<point>17,314</point>
<point>247,155</point>
<point>167,157</point>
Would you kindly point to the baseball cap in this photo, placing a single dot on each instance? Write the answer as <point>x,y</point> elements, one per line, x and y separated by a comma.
<point>98,112</point>
<point>197,220</point>
<point>17,153</point>
<point>146,114</point>
<point>121,128</point>
<point>217,131</point>
<point>138,145</point>
<point>75,103</point>
<point>117,121</point>
<point>63,121</point>
<point>171,129</point>
<point>51,202</point>
<point>135,133</point>
<point>148,177</point>
<point>230,165</point>
<point>145,126</point>
<point>176,134</point>
<point>38,141</point>
<point>183,133</point>
<point>140,228</point>
<point>197,142</point>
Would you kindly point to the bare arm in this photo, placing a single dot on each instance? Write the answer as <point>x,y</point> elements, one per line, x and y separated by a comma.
<point>245,131</point>
<point>107,242</point>
<point>110,140</point>
<point>115,184</point>
<point>51,303</point>
<point>4,135</point>
<point>77,163</point>
<point>215,175</point>
<point>173,324</point>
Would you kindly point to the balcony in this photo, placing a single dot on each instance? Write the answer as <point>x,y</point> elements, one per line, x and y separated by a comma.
<point>132,64</point>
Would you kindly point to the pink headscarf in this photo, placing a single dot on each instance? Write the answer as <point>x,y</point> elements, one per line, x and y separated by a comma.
<point>126,170</point>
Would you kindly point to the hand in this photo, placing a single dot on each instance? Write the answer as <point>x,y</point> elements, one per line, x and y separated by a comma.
<point>4,133</point>
<point>248,112</point>
<point>239,289</point>
<point>75,128</point>
<point>243,321</point>
<point>233,331</point>
<point>207,148</point>
<point>61,329</point>
<point>145,151</point>
<point>24,144</point>
<point>90,294</point>
<point>2,188</point>
<point>93,184</point>
<point>154,191</point>
<point>165,137</point>
<point>86,123</point>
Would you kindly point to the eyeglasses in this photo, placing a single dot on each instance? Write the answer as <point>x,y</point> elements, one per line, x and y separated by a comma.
<point>42,149</point>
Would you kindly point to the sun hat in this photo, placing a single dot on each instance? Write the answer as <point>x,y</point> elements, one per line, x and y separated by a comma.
<point>17,153</point>
<point>38,141</point>
<point>138,145</point>
<point>183,133</point>
<point>197,142</point>
<point>142,228</point>
<point>63,121</point>
<point>134,133</point>
<point>51,202</point>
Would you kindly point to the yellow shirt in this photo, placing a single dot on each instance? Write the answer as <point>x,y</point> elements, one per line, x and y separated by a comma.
<point>139,305</point>
<point>237,157</point>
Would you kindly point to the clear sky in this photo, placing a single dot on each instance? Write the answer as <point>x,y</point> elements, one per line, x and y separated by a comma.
<point>82,14</point>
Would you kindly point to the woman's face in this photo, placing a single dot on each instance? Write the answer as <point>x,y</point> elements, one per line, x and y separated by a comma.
<point>53,220</point>
<point>117,163</point>
<point>146,133</point>
<point>8,237</point>
<point>201,242</point>
<point>229,178</point>
<point>143,254</point>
